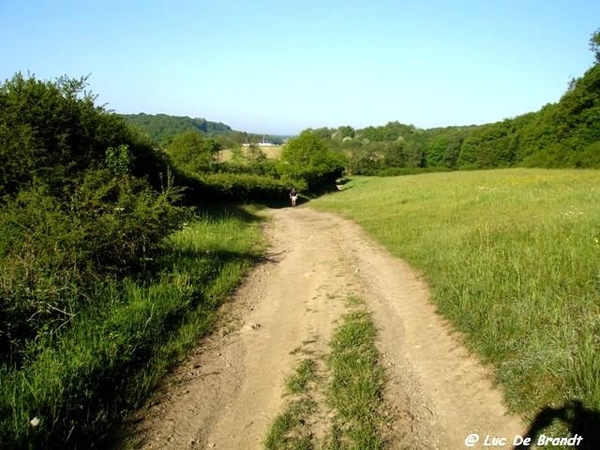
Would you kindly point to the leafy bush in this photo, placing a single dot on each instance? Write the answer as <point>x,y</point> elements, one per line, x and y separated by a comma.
<point>51,252</point>
<point>263,166</point>
<point>193,152</point>
<point>52,132</point>
<point>80,382</point>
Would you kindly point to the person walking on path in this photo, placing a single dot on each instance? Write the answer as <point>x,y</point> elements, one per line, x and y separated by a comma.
<point>293,196</point>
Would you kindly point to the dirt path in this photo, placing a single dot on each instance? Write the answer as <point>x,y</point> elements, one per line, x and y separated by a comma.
<point>228,393</point>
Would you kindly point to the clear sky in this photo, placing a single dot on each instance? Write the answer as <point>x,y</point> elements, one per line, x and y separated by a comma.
<point>281,66</point>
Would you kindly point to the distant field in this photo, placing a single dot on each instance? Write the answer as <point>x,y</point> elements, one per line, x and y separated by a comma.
<point>272,151</point>
<point>513,260</point>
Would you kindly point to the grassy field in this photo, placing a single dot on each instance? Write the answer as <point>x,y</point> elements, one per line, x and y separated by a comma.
<point>75,388</point>
<point>513,260</point>
<point>272,151</point>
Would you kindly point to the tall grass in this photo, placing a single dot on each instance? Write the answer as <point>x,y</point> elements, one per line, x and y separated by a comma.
<point>513,260</point>
<point>76,386</point>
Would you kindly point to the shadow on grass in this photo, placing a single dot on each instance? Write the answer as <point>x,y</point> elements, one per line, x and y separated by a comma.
<point>220,258</point>
<point>580,421</point>
<point>227,210</point>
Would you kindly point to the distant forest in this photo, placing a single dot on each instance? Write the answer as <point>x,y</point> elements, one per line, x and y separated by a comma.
<point>162,128</point>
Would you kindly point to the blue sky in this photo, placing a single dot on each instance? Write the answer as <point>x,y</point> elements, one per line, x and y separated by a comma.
<point>282,66</point>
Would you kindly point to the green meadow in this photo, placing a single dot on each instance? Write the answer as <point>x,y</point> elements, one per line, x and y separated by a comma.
<point>512,258</point>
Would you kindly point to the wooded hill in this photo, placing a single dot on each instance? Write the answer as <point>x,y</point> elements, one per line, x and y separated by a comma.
<point>162,128</point>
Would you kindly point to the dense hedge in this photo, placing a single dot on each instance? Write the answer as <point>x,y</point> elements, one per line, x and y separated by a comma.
<point>238,187</point>
<point>91,307</point>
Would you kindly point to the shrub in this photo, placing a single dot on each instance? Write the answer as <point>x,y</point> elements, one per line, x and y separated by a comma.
<point>52,252</point>
<point>51,132</point>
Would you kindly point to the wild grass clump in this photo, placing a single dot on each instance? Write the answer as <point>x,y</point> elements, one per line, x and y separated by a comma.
<point>512,258</point>
<point>341,393</point>
<point>356,388</point>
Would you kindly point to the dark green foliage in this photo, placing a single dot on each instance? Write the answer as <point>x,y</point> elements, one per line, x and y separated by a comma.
<point>306,164</point>
<point>437,150</point>
<point>119,160</point>
<point>242,187</point>
<point>81,381</point>
<point>595,45</point>
<point>392,131</point>
<point>488,146</point>
<point>254,162</point>
<point>161,127</point>
<point>52,253</point>
<point>90,287</point>
<point>563,134</point>
<point>51,132</point>
<point>76,207</point>
<point>192,152</point>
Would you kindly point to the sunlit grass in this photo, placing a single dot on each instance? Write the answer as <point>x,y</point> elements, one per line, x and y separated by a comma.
<point>513,260</point>
<point>356,388</point>
<point>272,151</point>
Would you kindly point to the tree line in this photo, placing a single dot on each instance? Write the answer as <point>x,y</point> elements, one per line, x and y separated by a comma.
<point>162,128</point>
<point>561,134</point>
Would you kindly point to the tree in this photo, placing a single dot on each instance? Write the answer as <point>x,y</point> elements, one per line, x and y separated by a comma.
<point>255,154</point>
<point>346,131</point>
<point>191,151</point>
<point>437,150</point>
<point>595,45</point>
<point>307,158</point>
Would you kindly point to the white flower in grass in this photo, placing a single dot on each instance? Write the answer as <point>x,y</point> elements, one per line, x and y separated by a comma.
<point>34,422</point>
